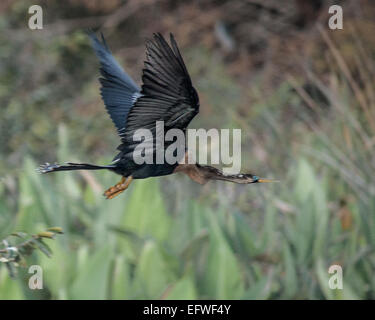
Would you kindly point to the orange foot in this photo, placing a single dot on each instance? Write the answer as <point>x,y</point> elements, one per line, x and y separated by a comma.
<point>118,188</point>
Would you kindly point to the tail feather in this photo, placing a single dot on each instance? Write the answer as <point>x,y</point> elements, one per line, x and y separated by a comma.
<point>47,167</point>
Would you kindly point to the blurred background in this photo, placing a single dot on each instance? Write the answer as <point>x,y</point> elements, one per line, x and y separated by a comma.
<point>304,98</point>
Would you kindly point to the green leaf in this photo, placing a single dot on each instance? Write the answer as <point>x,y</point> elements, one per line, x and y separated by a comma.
<point>183,289</point>
<point>92,280</point>
<point>260,290</point>
<point>152,274</point>
<point>194,245</point>
<point>305,180</point>
<point>290,279</point>
<point>323,278</point>
<point>59,270</point>
<point>10,289</point>
<point>145,213</point>
<point>11,269</point>
<point>39,243</point>
<point>246,236</point>
<point>121,288</point>
<point>222,279</point>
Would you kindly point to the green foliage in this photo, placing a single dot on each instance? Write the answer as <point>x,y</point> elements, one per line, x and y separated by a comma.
<point>13,253</point>
<point>112,250</point>
<point>169,238</point>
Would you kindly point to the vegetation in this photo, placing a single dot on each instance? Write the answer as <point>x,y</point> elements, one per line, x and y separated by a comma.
<point>13,254</point>
<point>167,237</point>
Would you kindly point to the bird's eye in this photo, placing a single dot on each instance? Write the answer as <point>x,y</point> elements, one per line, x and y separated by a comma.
<point>255,178</point>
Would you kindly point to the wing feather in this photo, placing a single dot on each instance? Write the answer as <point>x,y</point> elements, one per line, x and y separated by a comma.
<point>167,93</point>
<point>118,90</point>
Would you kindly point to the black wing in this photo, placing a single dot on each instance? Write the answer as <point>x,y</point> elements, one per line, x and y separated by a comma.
<point>167,93</point>
<point>118,90</point>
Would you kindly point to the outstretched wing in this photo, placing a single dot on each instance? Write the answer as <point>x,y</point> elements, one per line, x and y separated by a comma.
<point>118,90</point>
<point>167,93</point>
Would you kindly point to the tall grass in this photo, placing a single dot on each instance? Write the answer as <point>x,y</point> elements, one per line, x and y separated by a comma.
<point>136,247</point>
<point>221,241</point>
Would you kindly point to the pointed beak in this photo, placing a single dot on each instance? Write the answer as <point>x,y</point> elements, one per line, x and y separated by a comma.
<point>261,180</point>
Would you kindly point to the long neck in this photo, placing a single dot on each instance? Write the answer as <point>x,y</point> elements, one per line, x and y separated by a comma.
<point>212,173</point>
<point>202,174</point>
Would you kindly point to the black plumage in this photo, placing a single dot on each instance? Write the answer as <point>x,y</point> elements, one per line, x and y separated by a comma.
<point>167,95</point>
<point>118,90</point>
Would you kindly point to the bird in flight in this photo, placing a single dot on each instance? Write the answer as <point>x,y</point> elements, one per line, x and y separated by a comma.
<point>167,95</point>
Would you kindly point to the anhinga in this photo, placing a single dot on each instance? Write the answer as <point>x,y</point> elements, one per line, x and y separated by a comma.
<point>166,95</point>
